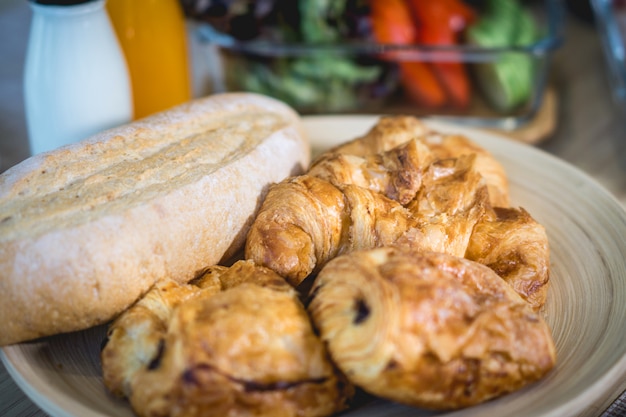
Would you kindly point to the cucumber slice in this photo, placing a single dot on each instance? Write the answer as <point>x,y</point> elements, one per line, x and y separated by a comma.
<point>508,82</point>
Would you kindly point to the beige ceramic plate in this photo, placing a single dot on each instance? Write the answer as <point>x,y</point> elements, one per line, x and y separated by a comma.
<point>586,308</point>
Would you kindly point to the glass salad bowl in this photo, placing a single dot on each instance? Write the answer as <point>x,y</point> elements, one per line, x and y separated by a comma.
<point>490,70</point>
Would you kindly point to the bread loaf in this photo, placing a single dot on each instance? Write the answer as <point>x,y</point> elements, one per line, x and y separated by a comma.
<point>88,228</point>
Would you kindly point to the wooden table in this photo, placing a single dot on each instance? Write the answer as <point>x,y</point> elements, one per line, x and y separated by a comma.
<point>590,134</point>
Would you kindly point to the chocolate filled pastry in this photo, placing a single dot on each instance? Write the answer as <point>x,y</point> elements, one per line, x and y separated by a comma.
<point>428,329</point>
<point>235,342</point>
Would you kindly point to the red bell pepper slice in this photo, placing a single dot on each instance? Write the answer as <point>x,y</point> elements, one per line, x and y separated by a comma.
<point>440,22</point>
<point>392,23</point>
<point>421,85</point>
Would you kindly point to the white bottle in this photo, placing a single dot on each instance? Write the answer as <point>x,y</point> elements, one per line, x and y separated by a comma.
<point>76,82</point>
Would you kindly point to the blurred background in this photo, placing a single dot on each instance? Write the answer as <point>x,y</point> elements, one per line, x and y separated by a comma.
<point>536,71</point>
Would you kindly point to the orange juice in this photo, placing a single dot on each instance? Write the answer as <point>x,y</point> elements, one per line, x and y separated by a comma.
<point>153,37</point>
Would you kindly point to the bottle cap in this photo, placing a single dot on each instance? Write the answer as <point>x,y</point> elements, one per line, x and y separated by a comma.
<point>60,2</point>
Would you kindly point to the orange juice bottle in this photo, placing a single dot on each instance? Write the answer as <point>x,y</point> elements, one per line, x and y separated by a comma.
<point>153,37</point>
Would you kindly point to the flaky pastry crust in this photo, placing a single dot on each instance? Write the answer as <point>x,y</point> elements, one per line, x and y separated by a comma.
<point>392,131</point>
<point>512,243</point>
<point>235,342</point>
<point>428,329</point>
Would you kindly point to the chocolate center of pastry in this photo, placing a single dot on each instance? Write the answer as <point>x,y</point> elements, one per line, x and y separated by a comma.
<point>362,311</point>
<point>156,361</point>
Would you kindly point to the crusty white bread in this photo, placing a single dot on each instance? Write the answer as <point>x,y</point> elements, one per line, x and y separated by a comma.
<point>86,229</point>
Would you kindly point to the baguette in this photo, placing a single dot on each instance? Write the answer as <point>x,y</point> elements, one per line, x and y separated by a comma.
<point>87,229</point>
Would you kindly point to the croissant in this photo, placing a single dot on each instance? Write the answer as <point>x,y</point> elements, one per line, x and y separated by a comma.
<point>392,131</point>
<point>237,342</point>
<point>452,199</point>
<point>515,246</point>
<point>396,173</point>
<point>306,221</point>
<point>453,146</point>
<point>427,329</point>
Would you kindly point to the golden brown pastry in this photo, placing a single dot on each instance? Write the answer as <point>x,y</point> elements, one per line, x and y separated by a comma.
<point>236,342</point>
<point>392,131</point>
<point>453,146</point>
<point>306,221</point>
<point>515,246</point>
<point>300,223</point>
<point>134,339</point>
<point>428,329</point>
<point>396,173</point>
<point>452,199</point>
